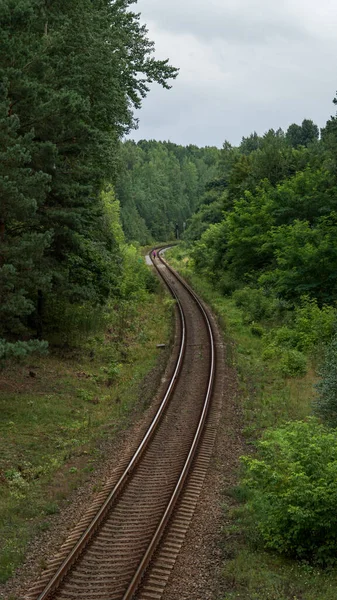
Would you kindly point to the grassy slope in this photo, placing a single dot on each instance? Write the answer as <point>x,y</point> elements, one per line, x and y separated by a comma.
<point>55,410</point>
<point>268,399</point>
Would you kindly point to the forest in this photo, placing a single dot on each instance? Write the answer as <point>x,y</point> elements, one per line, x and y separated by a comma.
<point>71,74</point>
<point>159,186</point>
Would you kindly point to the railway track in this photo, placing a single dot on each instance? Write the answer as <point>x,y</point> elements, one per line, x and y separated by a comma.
<point>126,545</point>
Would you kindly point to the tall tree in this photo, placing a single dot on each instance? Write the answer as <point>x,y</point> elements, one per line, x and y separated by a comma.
<point>71,74</point>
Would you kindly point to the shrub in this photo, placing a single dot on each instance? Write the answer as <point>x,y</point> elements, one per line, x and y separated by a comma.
<point>21,349</point>
<point>313,325</point>
<point>310,328</point>
<point>326,403</point>
<point>137,277</point>
<point>255,303</point>
<point>293,363</point>
<point>292,491</point>
<point>256,330</point>
<point>227,284</point>
<point>282,337</point>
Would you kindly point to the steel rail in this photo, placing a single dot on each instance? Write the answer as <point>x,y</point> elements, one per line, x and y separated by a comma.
<point>85,538</point>
<point>183,476</point>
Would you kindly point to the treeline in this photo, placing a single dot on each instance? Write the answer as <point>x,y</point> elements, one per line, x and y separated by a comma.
<point>265,232</point>
<point>160,185</point>
<point>269,218</point>
<point>70,75</point>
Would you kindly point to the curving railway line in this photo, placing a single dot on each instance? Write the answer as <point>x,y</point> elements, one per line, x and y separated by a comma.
<point>126,545</point>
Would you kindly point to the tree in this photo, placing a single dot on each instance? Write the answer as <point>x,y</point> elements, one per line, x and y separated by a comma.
<point>249,233</point>
<point>306,260</point>
<point>23,266</point>
<point>302,135</point>
<point>71,74</point>
<point>159,186</point>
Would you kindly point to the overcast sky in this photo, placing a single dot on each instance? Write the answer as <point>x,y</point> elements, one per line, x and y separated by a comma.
<point>245,65</point>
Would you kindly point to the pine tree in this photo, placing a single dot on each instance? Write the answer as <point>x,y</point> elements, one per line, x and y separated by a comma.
<point>71,74</point>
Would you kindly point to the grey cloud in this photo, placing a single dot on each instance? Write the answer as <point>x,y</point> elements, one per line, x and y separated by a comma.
<point>231,85</point>
<point>247,22</point>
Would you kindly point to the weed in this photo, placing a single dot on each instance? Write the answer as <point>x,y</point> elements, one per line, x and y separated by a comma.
<point>51,508</point>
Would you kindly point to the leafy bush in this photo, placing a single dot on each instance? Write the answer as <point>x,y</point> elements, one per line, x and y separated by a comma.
<point>255,303</point>
<point>292,491</point>
<point>313,325</point>
<point>227,284</point>
<point>282,337</point>
<point>326,403</point>
<point>310,328</point>
<point>256,330</point>
<point>293,363</point>
<point>208,252</point>
<point>137,277</point>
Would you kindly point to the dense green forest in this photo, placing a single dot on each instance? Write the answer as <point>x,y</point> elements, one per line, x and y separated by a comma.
<point>265,234</point>
<point>278,220</point>
<point>159,186</point>
<point>71,74</point>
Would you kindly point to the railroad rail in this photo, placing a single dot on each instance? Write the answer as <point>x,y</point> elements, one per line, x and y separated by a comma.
<point>126,547</point>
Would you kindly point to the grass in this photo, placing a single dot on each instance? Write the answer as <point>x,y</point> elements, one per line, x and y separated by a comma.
<point>56,410</point>
<point>268,399</point>
<point>261,576</point>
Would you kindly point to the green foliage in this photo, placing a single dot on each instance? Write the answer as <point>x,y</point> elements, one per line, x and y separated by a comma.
<point>249,226</point>
<point>302,135</point>
<point>280,348</point>
<point>278,194</point>
<point>137,277</point>
<point>21,349</point>
<point>309,328</point>
<point>62,113</point>
<point>257,330</point>
<point>306,260</point>
<point>293,363</point>
<point>159,186</point>
<point>308,195</point>
<point>206,251</point>
<point>314,325</point>
<point>326,403</point>
<point>70,324</point>
<point>292,487</point>
<point>210,211</point>
<point>256,304</point>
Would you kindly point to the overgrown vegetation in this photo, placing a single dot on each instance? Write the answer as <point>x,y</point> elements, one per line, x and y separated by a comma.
<point>59,411</point>
<point>270,398</point>
<point>291,486</point>
<point>273,251</point>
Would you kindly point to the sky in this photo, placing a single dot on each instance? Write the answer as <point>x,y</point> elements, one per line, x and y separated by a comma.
<point>245,65</point>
